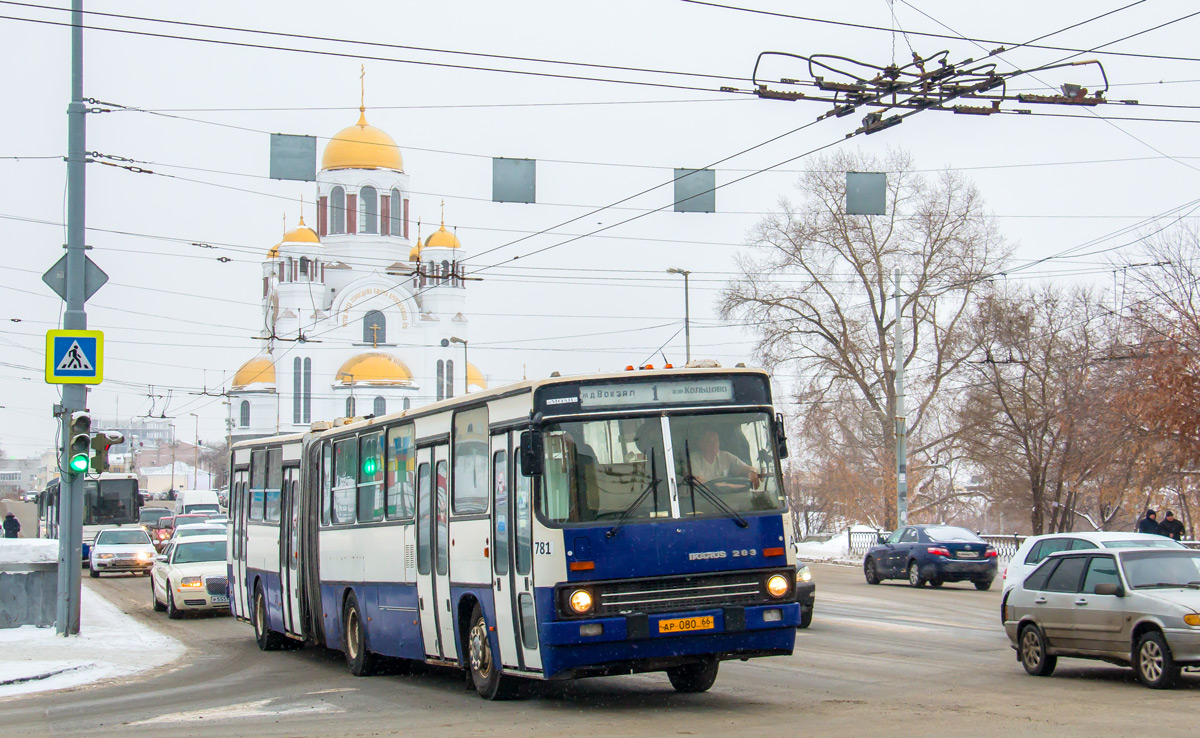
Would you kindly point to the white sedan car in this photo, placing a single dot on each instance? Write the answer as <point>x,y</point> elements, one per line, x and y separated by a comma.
<point>190,574</point>
<point>1036,548</point>
<point>121,549</point>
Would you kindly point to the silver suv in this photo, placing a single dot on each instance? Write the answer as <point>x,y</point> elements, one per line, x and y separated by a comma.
<point>1138,607</point>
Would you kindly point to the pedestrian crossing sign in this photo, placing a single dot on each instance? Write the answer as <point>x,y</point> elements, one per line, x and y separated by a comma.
<point>74,357</point>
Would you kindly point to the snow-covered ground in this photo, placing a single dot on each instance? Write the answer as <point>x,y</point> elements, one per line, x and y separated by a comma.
<point>835,550</point>
<point>28,550</point>
<point>111,645</point>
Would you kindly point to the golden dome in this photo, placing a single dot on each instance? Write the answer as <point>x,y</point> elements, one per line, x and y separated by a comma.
<point>374,367</point>
<point>259,370</point>
<point>443,239</point>
<point>301,234</point>
<point>475,377</point>
<point>274,252</point>
<point>362,146</point>
<point>414,254</point>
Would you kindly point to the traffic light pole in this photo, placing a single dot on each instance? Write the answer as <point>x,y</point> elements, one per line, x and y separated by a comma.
<point>74,398</point>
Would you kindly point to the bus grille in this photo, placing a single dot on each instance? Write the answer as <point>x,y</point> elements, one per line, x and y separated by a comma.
<point>678,594</point>
<point>215,585</point>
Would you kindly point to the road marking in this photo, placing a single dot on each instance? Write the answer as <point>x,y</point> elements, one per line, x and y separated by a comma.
<point>332,691</point>
<point>259,708</point>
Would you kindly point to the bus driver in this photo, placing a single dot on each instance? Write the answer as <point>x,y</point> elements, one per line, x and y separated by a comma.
<point>709,462</point>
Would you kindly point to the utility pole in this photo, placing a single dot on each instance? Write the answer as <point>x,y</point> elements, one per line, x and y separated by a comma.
<point>74,396</point>
<point>901,428</point>
<point>687,311</point>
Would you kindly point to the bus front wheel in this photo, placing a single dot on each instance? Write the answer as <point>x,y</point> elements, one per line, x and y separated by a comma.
<point>354,636</point>
<point>489,682</point>
<point>694,677</point>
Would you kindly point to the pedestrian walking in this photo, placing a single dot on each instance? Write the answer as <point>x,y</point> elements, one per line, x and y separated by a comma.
<point>1170,527</point>
<point>1149,524</point>
<point>12,526</point>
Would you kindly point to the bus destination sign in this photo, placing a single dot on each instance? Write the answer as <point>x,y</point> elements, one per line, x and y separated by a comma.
<point>656,393</point>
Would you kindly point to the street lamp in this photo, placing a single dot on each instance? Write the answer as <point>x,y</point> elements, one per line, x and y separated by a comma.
<point>463,341</point>
<point>196,452</point>
<point>687,319</point>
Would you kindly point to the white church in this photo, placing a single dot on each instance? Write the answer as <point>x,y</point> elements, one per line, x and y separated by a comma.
<point>355,314</point>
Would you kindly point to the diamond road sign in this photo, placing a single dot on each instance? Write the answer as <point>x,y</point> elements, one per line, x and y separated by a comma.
<point>93,278</point>
<point>74,357</point>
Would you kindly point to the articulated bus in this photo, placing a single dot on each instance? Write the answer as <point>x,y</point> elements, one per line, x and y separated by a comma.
<point>551,529</point>
<point>110,500</point>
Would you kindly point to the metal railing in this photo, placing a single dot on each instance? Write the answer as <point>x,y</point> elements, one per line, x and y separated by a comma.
<point>1006,545</point>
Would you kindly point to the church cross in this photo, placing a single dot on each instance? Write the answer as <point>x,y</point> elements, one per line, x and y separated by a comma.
<point>374,328</point>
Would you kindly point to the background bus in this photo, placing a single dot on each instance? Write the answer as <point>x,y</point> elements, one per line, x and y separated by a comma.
<point>109,500</point>
<point>547,530</point>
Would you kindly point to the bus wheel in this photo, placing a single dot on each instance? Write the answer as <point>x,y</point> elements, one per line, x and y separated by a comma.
<point>354,638</point>
<point>694,677</point>
<point>267,640</point>
<point>489,682</point>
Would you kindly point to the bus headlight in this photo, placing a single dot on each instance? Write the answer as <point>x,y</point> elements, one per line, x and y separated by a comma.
<point>777,585</point>
<point>191,582</point>
<point>580,601</point>
<point>803,574</point>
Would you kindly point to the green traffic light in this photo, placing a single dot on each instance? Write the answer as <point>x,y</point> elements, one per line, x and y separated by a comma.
<point>79,463</point>
<point>370,465</point>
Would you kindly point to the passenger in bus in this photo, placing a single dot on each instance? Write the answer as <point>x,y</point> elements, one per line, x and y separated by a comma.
<point>709,462</point>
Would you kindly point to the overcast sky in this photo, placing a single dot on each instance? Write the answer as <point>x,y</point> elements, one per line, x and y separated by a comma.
<point>178,319</point>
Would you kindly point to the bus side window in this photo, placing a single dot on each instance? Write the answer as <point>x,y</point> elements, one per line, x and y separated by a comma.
<point>274,489</point>
<point>370,477</point>
<point>258,482</point>
<point>471,461</point>
<point>500,534</point>
<point>423,505</point>
<point>345,455</point>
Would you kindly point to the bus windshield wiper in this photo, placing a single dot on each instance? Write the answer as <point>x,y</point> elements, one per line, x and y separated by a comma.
<point>651,487</point>
<point>713,497</point>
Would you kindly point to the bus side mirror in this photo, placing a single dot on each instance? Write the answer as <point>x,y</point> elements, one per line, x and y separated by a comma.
<point>780,437</point>
<point>531,453</point>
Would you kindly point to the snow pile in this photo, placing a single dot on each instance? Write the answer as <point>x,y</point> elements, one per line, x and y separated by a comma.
<point>111,645</point>
<point>28,551</point>
<point>835,549</point>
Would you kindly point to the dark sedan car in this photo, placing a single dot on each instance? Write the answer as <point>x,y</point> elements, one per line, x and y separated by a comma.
<point>934,554</point>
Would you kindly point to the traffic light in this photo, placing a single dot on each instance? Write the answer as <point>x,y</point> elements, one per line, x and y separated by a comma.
<point>100,443</point>
<point>80,447</point>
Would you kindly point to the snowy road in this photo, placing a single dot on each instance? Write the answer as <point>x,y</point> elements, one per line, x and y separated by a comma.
<point>880,661</point>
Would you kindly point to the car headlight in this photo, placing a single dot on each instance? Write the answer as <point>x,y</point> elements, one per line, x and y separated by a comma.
<point>145,555</point>
<point>777,585</point>
<point>105,556</point>
<point>1191,619</point>
<point>803,574</point>
<point>191,582</point>
<point>580,601</point>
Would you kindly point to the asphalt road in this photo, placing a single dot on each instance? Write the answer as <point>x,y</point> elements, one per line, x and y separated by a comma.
<point>880,661</point>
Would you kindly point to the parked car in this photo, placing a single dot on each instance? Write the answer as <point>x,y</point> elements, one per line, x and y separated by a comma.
<point>932,553</point>
<point>1136,606</point>
<point>190,574</point>
<point>121,550</point>
<point>1036,548</point>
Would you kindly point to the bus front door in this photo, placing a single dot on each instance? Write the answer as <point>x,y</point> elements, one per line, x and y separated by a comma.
<point>426,600</point>
<point>521,507</point>
<point>289,552</point>
<point>502,591</point>
<point>441,552</point>
<point>237,588</point>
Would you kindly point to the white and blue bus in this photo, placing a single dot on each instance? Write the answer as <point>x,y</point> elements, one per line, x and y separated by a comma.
<point>551,529</point>
<point>110,500</point>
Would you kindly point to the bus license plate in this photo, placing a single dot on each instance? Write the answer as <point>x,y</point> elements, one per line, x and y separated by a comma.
<point>679,625</point>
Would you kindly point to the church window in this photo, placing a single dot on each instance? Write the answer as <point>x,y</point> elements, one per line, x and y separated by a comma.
<point>449,378</point>
<point>368,210</point>
<point>297,388</point>
<point>304,266</point>
<point>407,403</point>
<point>337,223</point>
<point>395,211</point>
<point>308,390</point>
<point>374,328</point>
<point>244,413</point>
<point>441,380</point>
<point>379,407</point>
<point>350,406</point>
<point>445,270</point>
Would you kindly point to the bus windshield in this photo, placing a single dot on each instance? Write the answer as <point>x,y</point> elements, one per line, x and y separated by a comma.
<point>111,502</point>
<point>605,470</point>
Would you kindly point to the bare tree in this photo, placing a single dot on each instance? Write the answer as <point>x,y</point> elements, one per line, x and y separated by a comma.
<point>816,292</point>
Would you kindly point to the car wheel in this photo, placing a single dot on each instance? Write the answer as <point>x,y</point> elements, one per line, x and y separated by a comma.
<point>1031,649</point>
<point>267,639</point>
<point>914,575</point>
<point>158,606</point>
<point>173,612</point>
<point>489,682</point>
<point>870,572</point>
<point>93,573</point>
<point>935,583</point>
<point>806,618</point>
<point>984,585</point>
<point>1155,666</point>
<point>354,639</point>
<point>694,677</point>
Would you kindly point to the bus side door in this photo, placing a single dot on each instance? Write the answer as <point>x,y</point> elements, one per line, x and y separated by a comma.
<point>289,551</point>
<point>441,552</point>
<point>241,504</point>
<point>426,600</point>
<point>502,590</point>
<point>521,506</point>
